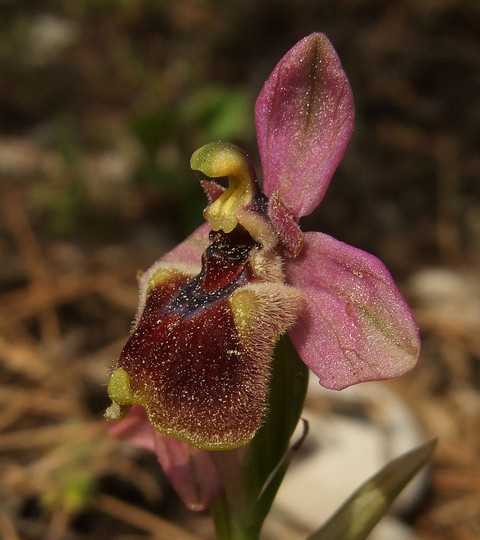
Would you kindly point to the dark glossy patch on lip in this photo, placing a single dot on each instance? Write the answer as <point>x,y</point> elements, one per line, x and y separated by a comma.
<point>224,269</point>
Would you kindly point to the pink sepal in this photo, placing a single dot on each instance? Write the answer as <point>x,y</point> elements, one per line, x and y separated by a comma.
<point>187,252</point>
<point>190,470</point>
<point>357,326</point>
<point>190,250</point>
<point>304,117</point>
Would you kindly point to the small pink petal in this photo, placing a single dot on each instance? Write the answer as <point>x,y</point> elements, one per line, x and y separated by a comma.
<point>212,190</point>
<point>304,117</point>
<point>357,326</point>
<point>289,233</point>
<point>190,470</point>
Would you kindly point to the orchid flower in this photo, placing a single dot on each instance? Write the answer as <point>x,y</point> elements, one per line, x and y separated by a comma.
<point>197,363</point>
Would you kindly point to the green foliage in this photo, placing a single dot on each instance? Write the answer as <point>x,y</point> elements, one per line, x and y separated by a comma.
<point>218,113</point>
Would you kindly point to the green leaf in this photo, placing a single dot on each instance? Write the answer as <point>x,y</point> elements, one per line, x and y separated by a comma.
<point>362,511</point>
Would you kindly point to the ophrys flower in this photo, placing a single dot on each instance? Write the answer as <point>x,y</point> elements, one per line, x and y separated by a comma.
<point>211,310</point>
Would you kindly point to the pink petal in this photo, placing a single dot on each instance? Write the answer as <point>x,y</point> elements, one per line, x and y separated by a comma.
<point>190,470</point>
<point>357,326</point>
<point>304,117</point>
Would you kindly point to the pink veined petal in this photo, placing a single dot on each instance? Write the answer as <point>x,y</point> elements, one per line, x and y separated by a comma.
<point>357,326</point>
<point>190,470</point>
<point>304,117</point>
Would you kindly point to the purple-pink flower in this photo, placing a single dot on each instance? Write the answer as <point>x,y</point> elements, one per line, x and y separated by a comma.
<point>198,358</point>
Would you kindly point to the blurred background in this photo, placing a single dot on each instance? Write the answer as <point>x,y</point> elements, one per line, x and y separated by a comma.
<point>102,103</point>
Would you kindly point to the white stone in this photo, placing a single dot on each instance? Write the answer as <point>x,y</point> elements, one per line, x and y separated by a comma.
<point>450,297</point>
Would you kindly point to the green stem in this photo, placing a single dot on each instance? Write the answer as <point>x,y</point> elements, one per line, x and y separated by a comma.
<point>221,518</point>
<point>228,526</point>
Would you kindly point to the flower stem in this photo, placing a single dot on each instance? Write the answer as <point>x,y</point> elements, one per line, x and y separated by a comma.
<point>227,526</point>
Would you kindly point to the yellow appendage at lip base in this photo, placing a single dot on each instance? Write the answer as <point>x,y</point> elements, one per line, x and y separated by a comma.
<point>119,387</point>
<point>121,395</point>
